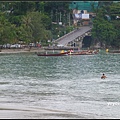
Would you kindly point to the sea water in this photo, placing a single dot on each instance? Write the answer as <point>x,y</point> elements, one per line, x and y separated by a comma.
<point>42,87</point>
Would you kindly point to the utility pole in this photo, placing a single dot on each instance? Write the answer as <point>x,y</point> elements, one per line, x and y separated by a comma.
<point>51,15</point>
<point>56,15</point>
<point>60,16</point>
<point>69,18</point>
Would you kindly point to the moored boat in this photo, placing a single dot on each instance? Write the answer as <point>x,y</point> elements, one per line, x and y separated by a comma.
<point>114,51</point>
<point>52,54</point>
<point>80,53</point>
<point>70,52</point>
<point>84,52</point>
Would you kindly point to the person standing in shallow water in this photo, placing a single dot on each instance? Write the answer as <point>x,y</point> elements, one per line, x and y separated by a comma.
<point>103,76</point>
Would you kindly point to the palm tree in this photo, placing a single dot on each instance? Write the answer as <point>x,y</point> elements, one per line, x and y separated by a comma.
<point>27,25</point>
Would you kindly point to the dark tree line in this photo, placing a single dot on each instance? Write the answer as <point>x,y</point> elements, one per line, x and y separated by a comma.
<point>106,25</point>
<point>29,21</point>
<point>39,22</point>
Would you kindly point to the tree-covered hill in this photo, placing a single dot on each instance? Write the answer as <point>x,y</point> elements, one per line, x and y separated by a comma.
<point>43,21</point>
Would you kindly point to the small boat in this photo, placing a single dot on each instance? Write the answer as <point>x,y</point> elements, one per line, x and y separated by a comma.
<point>80,53</point>
<point>53,54</point>
<point>84,52</point>
<point>114,51</point>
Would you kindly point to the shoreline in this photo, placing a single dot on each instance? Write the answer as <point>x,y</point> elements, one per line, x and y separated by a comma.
<point>26,50</point>
<point>21,50</point>
<point>10,111</point>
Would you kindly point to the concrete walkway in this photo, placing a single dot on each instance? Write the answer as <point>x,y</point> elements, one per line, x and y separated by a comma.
<point>64,40</point>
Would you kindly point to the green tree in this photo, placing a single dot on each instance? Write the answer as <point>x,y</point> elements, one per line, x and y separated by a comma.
<point>7,30</point>
<point>35,28</point>
<point>19,9</point>
<point>116,42</point>
<point>103,31</point>
<point>114,10</point>
<point>26,27</point>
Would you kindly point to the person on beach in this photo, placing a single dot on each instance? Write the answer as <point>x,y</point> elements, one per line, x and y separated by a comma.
<point>103,76</point>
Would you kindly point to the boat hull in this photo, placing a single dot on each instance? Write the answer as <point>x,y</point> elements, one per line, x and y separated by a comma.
<point>53,54</point>
<point>68,53</point>
<point>84,53</point>
<point>80,54</point>
<point>114,51</point>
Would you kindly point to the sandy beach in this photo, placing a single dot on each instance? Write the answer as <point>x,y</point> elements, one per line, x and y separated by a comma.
<point>24,112</point>
<point>21,50</point>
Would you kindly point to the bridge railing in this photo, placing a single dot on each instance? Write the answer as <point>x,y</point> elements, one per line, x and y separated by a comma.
<point>57,40</point>
<point>72,32</point>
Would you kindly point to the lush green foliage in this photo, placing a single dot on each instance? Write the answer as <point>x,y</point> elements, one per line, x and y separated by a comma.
<point>107,31</point>
<point>39,22</point>
<point>30,21</point>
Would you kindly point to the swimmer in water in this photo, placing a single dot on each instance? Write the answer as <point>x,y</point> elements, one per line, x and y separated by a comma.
<point>103,76</point>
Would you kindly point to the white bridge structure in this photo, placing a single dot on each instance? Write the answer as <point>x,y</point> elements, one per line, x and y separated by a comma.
<point>74,37</point>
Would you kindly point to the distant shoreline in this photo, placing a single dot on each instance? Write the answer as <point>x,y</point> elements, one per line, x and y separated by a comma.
<point>21,50</point>
<point>36,49</point>
<point>30,50</point>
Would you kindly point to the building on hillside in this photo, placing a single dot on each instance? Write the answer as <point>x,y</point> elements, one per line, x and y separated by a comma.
<point>83,11</point>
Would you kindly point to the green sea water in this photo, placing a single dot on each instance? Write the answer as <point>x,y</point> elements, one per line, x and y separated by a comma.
<point>65,86</point>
